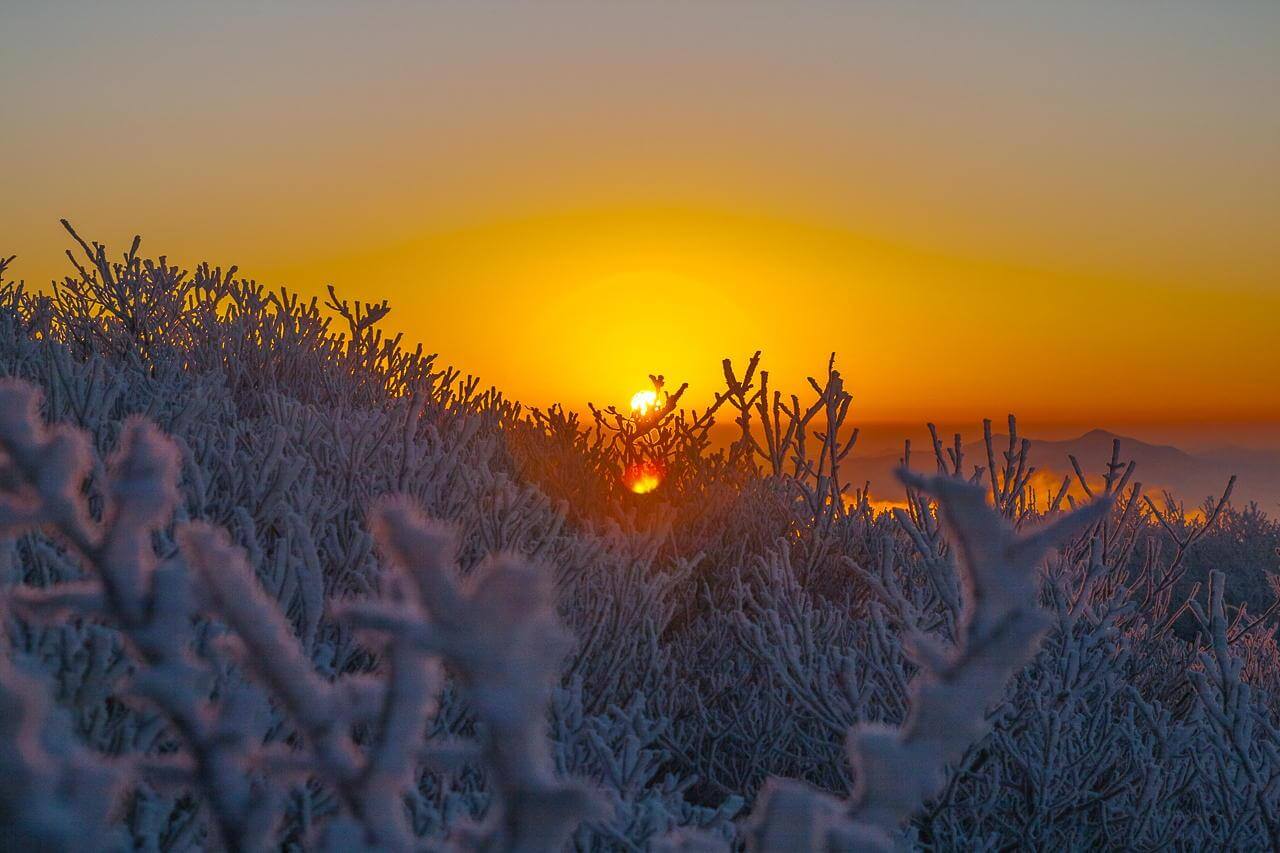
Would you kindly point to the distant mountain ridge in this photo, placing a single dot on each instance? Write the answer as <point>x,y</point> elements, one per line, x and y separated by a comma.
<point>1189,476</point>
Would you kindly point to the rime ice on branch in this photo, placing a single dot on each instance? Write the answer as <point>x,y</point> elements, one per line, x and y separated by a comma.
<point>499,631</point>
<point>224,638</point>
<point>897,769</point>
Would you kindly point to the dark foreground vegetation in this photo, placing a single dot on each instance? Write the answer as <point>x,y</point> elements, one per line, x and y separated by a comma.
<point>273,581</point>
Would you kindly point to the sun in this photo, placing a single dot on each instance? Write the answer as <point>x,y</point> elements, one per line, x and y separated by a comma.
<point>642,477</point>
<point>644,402</point>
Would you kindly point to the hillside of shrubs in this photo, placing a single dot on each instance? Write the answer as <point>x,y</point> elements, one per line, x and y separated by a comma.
<point>272,579</point>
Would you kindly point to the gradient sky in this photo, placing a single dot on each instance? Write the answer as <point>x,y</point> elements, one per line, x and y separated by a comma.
<point>1070,211</point>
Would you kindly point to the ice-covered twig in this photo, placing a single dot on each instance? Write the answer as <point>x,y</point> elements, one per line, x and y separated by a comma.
<point>898,769</point>
<point>1234,719</point>
<point>53,796</point>
<point>151,604</point>
<point>498,630</point>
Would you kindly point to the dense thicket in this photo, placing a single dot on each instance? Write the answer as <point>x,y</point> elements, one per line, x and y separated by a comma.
<point>230,623</point>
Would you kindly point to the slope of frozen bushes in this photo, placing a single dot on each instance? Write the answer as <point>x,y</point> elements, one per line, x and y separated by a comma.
<point>230,625</point>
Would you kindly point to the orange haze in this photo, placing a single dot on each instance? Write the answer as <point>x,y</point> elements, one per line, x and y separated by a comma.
<point>1066,210</point>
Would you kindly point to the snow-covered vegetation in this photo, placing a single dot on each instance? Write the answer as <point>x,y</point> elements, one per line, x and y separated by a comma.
<point>272,580</point>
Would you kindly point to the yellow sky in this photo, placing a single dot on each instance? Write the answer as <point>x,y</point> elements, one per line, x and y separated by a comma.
<point>1068,211</point>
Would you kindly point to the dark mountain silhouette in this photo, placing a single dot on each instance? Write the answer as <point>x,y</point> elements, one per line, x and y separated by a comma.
<point>1190,477</point>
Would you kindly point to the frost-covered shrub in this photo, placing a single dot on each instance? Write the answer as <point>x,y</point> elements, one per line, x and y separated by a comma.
<point>220,632</point>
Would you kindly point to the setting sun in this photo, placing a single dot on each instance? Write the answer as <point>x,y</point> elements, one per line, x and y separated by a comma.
<point>644,402</point>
